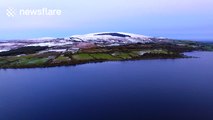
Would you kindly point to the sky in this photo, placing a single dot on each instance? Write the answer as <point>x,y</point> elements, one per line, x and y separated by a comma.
<point>180,19</point>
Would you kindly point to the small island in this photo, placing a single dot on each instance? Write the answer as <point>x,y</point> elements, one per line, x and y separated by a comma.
<point>91,48</point>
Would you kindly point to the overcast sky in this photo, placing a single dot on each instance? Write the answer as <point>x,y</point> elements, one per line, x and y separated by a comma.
<point>185,19</point>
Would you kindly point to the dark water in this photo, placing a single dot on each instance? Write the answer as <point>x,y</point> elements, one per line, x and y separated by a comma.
<point>180,89</point>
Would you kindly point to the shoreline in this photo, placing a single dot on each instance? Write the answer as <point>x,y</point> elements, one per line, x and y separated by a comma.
<point>93,62</point>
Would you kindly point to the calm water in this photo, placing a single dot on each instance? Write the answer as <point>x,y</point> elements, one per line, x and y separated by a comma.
<point>180,89</point>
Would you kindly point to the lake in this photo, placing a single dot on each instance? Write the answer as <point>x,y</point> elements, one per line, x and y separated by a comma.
<point>172,89</point>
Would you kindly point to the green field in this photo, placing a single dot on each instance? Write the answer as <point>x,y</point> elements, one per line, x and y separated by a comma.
<point>61,58</point>
<point>82,57</point>
<point>103,56</point>
<point>31,61</point>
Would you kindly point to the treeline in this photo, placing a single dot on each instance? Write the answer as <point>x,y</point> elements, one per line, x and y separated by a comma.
<point>23,50</point>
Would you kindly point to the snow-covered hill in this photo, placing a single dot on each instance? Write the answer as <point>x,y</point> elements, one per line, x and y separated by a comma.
<point>112,37</point>
<point>99,39</point>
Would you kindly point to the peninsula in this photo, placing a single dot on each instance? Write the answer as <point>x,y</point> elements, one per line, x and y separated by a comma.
<point>95,47</point>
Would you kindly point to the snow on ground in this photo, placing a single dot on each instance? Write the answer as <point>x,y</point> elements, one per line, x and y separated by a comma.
<point>2,50</point>
<point>87,40</point>
<point>57,50</point>
<point>5,44</point>
<point>51,44</point>
<point>107,37</point>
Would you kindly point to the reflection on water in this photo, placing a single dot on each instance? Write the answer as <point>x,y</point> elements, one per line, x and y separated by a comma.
<point>179,89</point>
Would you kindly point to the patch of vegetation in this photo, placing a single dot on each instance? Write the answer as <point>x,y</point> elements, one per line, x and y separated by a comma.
<point>23,50</point>
<point>160,51</point>
<point>134,53</point>
<point>27,62</point>
<point>61,58</point>
<point>96,50</point>
<point>122,55</point>
<point>82,57</point>
<point>115,34</point>
<point>103,56</point>
<point>38,61</point>
<point>208,48</point>
<point>3,61</point>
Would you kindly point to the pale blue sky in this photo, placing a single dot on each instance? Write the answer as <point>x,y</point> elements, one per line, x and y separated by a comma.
<point>183,19</point>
